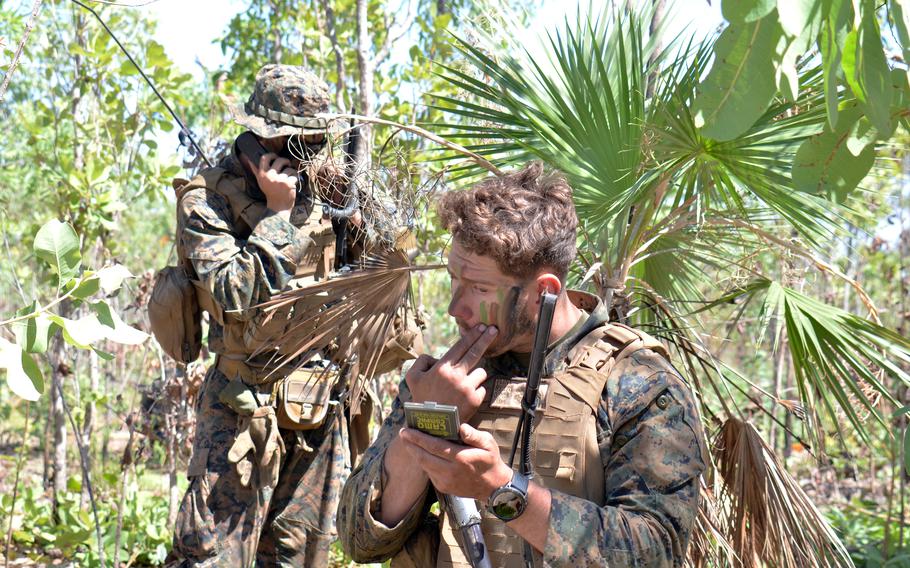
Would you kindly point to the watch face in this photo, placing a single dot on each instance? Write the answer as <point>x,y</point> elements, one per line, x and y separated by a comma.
<point>507,504</point>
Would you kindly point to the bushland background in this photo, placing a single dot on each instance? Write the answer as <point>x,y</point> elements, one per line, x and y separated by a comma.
<point>741,174</point>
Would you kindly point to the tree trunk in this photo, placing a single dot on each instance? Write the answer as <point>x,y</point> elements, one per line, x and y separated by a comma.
<point>88,424</point>
<point>277,50</point>
<point>340,76</point>
<point>367,68</point>
<point>59,370</point>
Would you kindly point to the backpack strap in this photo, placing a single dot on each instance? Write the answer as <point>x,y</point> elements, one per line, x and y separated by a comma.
<point>594,356</point>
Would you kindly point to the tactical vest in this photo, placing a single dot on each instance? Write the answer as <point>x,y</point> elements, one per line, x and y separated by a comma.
<point>564,451</point>
<point>242,337</point>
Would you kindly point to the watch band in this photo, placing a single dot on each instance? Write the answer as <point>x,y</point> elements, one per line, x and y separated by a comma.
<point>520,482</point>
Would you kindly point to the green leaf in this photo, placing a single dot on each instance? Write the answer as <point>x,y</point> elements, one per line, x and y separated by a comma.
<point>103,354</point>
<point>82,332</point>
<point>105,315</point>
<point>787,74</point>
<point>801,19</point>
<point>824,164</point>
<point>112,277</point>
<point>22,373</point>
<point>862,135</point>
<point>125,334</point>
<point>743,11</point>
<point>900,12</point>
<point>155,55</point>
<point>57,244</point>
<point>87,286</point>
<point>127,69</point>
<point>798,16</point>
<point>867,73</point>
<point>33,334</point>
<point>741,84</point>
<point>833,36</point>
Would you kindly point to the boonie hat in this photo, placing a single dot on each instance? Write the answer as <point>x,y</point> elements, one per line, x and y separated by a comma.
<point>284,102</point>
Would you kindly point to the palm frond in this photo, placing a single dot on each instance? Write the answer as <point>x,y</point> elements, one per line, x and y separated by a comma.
<point>767,517</point>
<point>347,318</point>
<point>837,356</point>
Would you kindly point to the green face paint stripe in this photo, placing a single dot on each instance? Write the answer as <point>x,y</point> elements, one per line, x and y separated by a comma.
<point>500,296</point>
<point>483,313</point>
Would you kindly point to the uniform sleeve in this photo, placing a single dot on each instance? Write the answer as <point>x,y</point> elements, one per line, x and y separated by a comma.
<point>239,273</point>
<point>363,537</point>
<point>652,445</point>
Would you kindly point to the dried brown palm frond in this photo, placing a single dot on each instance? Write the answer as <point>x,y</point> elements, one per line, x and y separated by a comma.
<point>767,518</point>
<point>708,547</point>
<point>347,318</point>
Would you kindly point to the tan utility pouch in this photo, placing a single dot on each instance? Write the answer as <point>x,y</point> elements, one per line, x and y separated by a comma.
<point>304,398</point>
<point>174,314</point>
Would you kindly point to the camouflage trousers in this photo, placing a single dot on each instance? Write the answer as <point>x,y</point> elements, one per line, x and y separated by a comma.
<point>221,523</point>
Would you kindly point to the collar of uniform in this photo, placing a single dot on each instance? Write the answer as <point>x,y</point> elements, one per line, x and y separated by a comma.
<point>562,350</point>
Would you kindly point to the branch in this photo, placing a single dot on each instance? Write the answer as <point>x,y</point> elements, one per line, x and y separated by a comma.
<point>477,158</point>
<point>339,55</point>
<point>41,310</point>
<point>383,52</point>
<point>86,474</point>
<point>36,8</point>
<point>148,81</point>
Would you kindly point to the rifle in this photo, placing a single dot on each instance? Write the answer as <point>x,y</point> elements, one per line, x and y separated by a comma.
<point>464,515</point>
<point>529,403</point>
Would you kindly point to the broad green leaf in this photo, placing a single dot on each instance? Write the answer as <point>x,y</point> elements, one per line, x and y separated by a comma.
<point>105,315</point>
<point>799,16</point>
<point>862,135</point>
<point>740,85</point>
<point>22,374</point>
<point>900,12</point>
<point>833,36</point>
<point>155,55</point>
<point>103,354</point>
<point>801,19</point>
<point>57,244</point>
<point>866,71</point>
<point>33,334</point>
<point>743,11</point>
<point>87,286</point>
<point>112,277</point>
<point>82,332</point>
<point>824,164</point>
<point>787,74</point>
<point>900,91</point>
<point>103,324</point>
<point>127,68</point>
<point>125,334</point>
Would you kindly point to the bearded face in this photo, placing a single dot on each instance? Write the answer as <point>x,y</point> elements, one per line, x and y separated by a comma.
<point>483,294</point>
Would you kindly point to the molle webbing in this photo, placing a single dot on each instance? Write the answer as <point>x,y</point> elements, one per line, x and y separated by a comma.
<point>564,449</point>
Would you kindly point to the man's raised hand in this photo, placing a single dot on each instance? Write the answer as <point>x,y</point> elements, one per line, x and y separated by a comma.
<point>454,378</point>
<point>278,182</point>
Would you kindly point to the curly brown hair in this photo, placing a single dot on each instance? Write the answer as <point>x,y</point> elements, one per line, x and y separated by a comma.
<point>524,220</point>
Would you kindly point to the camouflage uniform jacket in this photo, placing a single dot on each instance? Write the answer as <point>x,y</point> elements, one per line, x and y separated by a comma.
<point>652,451</point>
<point>240,270</point>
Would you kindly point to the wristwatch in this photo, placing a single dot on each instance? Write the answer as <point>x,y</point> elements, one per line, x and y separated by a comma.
<point>509,501</point>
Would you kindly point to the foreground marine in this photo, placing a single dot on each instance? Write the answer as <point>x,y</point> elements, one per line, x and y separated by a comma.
<point>617,446</point>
